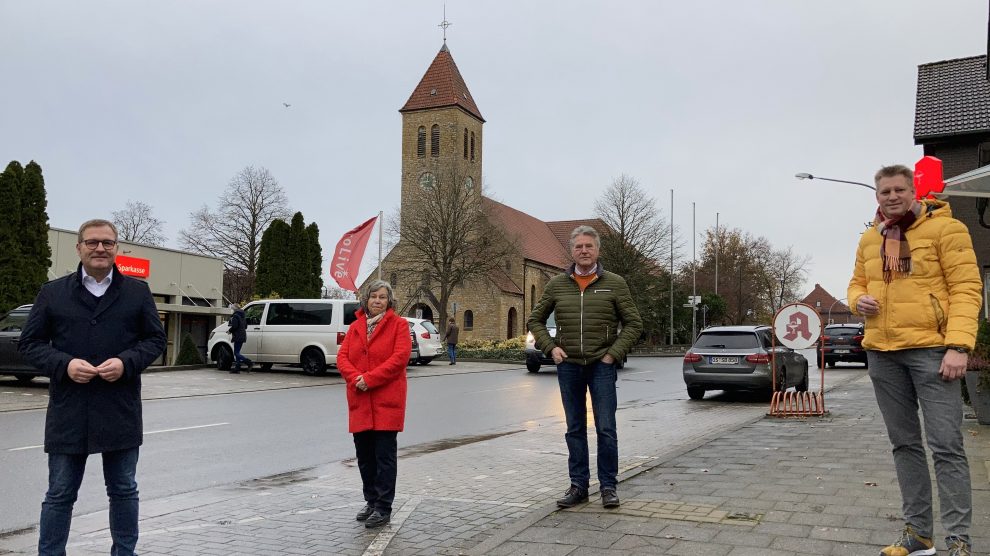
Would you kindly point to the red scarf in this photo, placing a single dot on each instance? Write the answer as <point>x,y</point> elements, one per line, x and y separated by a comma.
<point>894,249</point>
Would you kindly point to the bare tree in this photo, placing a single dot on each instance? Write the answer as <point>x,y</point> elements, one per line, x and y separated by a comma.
<point>450,239</point>
<point>136,223</point>
<point>637,246</point>
<point>635,220</point>
<point>253,200</point>
<point>781,272</point>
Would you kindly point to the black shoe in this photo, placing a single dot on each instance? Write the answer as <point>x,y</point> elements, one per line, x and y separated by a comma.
<point>377,519</point>
<point>452,363</point>
<point>573,497</point>
<point>235,372</point>
<point>365,512</point>
<point>609,498</point>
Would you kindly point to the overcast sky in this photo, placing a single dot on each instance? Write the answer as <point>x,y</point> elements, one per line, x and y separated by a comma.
<point>723,102</point>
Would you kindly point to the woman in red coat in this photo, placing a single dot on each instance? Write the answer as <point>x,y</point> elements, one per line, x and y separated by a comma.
<point>372,359</point>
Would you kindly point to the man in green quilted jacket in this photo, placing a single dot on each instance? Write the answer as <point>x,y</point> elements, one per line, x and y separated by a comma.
<point>597,324</point>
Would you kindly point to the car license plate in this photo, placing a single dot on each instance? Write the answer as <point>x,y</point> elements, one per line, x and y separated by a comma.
<point>841,351</point>
<point>723,360</point>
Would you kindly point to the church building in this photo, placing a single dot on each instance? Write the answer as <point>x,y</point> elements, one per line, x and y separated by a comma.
<point>442,126</point>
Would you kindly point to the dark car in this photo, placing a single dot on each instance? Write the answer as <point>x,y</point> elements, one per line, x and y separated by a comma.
<point>843,342</point>
<point>11,362</point>
<point>739,358</point>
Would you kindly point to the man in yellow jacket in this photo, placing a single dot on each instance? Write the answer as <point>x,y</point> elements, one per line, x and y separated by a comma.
<point>917,283</point>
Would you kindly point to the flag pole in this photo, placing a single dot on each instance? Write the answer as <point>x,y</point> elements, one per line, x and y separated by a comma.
<point>381,223</point>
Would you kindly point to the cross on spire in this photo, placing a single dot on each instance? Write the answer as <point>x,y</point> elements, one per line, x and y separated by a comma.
<point>444,24</point>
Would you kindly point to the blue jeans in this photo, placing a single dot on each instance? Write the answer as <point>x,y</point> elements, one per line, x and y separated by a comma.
<point>452,352</point>
<point>903,380</point>
<point>575,381</point>
<point>238,358</point>
<point>65,474</point>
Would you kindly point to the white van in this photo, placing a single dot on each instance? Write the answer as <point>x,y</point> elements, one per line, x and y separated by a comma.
<point>305,332</point>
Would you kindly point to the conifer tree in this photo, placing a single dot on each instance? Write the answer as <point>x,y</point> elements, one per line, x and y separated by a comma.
<point>36,252</point>
<point>11,261</point>
<point>316,259</point>
<point>272,260</point>
<point>299,262</point>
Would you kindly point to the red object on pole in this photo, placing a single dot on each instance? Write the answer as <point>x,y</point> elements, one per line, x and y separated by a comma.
<point>928,177</point>
<point>348,253</point>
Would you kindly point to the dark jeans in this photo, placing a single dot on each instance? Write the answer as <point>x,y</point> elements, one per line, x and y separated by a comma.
<point>65,474</point>
<point>452,352</point>
<point>575,381</point>
<point>238,358</point>
<point>377,455</point>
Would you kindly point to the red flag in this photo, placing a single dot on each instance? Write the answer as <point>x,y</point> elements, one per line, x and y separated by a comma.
<point>348,254</point>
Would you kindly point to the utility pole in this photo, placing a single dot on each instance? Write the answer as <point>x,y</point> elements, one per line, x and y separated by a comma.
<point>671,267</point>
<point>718,247</point>
<point>694,277</point>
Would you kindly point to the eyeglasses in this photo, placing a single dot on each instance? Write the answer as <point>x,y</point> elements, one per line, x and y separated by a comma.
<point>92,244</point>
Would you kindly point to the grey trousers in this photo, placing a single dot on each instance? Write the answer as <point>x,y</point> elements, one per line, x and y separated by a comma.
<point>902,379</point>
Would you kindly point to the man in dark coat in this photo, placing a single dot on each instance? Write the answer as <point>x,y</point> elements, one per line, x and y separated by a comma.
<point>93,332</point>
<point>237,327</point>
<point>452,332</point>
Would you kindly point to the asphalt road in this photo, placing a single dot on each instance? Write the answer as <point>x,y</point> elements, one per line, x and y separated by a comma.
<point>208,439</point>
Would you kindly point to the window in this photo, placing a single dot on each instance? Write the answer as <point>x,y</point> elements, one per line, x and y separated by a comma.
<point>252,313</point>
<point>435,140</point>
<point>299,314</point>
<point>727,340</point>
<point>421,142</point>
<point>468,320</point>
<point>393,279</point>
<point>13,322</point>
<point>984,151</point>
<point>349,310</point>
<point>465,142</point>
<point>472,146</point>
<point>532,297</point>
<point>818,304</point>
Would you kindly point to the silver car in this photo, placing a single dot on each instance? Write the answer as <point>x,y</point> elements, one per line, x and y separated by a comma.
<point>739,358</point>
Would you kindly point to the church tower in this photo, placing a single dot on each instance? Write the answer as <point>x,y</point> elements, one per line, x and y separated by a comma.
<point>441,133</point>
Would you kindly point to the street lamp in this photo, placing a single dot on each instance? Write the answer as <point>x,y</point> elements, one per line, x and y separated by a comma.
<point>806,176</point>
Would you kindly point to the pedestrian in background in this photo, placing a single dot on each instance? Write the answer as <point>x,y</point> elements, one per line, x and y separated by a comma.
<point>451,334</point>
<point>917,283</point>
<point>93,332</point>
<point>372,360</point>
<point>237,327</point>
<point>591,305</point>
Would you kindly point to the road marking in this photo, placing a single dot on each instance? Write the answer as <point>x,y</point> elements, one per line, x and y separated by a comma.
<point>520,387</point>
<point>377,546</point>
<point>636,373</point>
<point>188,428</point>
<point>149,432</point>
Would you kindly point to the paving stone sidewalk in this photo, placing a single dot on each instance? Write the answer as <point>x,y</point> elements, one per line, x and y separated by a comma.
<point>774,487</point>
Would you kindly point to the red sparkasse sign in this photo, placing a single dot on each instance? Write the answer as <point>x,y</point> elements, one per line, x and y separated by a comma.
<point>348,253</point>
<point>133,266</point>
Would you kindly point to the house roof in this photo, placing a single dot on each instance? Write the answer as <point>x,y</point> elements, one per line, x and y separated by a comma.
<point>536,241</point>
<point>562,229</point>
<point>953,98</point>
<point>826,299</point>
<point>442,86</point>
<point>504,282</point>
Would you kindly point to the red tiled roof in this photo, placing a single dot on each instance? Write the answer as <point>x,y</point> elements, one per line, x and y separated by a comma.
<point>827,301</point>
<point>536,241</point>
<point>442,86</point>
<point>504,282</point>
<point>562,229</point>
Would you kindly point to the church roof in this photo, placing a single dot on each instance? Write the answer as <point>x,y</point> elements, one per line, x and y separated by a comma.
<point>562,229</point>
<point>442,86</point>
<point>536,241</point>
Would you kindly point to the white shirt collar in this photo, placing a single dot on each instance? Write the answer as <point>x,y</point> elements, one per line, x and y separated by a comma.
<point>94,287</point>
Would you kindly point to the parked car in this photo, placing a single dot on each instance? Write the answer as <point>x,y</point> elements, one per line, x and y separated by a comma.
<point>843,342</point>
<point>427,339</point>
<point>536,358</point>
<point>739,358</point>
<point>11,362</point>
<point>414,353</point>
<point>305,332</point>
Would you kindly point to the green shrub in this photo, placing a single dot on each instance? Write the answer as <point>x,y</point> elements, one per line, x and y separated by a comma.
<point>188,352</point>
<point>512,349</point>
